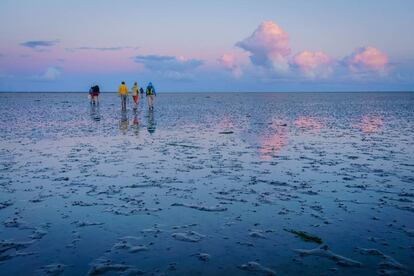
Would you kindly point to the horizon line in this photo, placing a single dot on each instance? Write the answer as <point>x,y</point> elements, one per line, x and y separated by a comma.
<point>219,92</point>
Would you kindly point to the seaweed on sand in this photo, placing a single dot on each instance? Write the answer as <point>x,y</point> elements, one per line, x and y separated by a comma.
<point>305,236</point>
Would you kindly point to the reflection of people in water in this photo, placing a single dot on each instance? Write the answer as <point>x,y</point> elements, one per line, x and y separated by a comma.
<point>95,113</point>
<point>123,123</point>
<point>135,123</point>
<point>151,124</point>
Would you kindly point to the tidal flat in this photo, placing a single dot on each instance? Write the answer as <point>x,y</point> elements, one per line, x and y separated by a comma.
<point>207,184</point>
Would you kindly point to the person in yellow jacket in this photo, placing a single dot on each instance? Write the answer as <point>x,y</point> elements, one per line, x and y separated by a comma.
<point>135,94</point>
<point>123,93</point>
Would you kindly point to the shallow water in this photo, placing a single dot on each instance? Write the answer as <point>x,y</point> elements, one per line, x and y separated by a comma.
<point>207,184</point>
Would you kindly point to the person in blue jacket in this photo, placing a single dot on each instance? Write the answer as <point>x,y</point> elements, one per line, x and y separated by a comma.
<point>150,91</point>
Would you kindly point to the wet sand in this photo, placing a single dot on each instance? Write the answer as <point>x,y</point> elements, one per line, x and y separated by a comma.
<point>217,184</point>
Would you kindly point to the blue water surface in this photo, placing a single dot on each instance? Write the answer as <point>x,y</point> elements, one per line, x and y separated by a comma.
<point>207,184</point>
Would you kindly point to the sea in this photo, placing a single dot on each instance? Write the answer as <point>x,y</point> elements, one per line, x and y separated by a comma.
<point>207,184</point>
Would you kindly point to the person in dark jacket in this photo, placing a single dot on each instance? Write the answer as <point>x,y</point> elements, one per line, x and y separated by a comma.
<point>93,94</point>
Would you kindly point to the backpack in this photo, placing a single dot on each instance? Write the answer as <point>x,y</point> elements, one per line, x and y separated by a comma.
<point>150,90</point>
<point>96,89</point>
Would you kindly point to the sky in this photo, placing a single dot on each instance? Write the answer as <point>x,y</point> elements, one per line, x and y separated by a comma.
<point>207,46</point>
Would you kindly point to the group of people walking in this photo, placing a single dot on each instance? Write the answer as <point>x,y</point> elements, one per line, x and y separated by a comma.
<point>123,93</point>
<point>150,93</point>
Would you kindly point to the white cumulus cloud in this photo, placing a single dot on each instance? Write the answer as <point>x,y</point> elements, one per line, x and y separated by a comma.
<point>269,46</point>
<point>367,59</point>
<point>313,64</point>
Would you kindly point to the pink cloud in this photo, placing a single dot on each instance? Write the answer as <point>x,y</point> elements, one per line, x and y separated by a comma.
<point>367,58</point>
<point>313,64</point>
<point>229,62</point>
<point>268,46</point>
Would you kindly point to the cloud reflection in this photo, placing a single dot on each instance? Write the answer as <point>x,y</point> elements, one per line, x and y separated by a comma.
<point>271,144</point>
<point>123,122</point>
<point>370,123</point>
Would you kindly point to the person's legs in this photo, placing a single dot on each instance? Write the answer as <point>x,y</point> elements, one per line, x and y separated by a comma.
<point>123,102</point>
<point>135,101</point>
<point>149,101</point>
<point>152,101</point>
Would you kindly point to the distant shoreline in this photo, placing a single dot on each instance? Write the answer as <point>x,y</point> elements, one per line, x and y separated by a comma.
<point>212,92</point>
